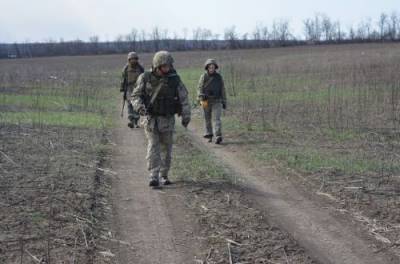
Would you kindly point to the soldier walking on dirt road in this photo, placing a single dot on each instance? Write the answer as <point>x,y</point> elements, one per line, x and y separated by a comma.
<point>130,74</point>
<point>211,93</point>
<point>159,95</point>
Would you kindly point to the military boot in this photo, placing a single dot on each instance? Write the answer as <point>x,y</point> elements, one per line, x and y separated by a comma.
<point>154,183</point>
<point>165,180</point>
<point>209,137</point>
<point>136,123</point>
<point>218,140</point>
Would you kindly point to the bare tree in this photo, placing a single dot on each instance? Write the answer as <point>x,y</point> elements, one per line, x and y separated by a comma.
<point>352,34</point>
<point>155,37</point>
<point>94,43</point>
<point>382,24</point>
<point>231,36</point>
<point>393,25</point>
<point>196,36</point>
<point>132,38</point>
<point>327,27</point>
<point>339,35</point>
<point>280,30</point>
<point>312,28</point>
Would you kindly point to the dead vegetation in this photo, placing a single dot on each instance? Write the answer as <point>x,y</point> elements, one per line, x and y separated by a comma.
<point>236,232</point>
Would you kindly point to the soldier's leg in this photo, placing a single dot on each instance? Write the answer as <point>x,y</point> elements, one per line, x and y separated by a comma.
<point>208,121</point>
<point>153,154</point>
<point>130,115</point>
<point>166,140</point>
<point>136,118</point>
<point>217,109</point>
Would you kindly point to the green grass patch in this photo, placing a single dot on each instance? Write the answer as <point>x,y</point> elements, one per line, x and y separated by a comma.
<point>273,96</point>
<point>68,119</point>
<point>312,161</point>
<point>193,165</point>
<point>271,89</point>
<point>340,135</point>
<point>55,103</point>
<point>190,77</point>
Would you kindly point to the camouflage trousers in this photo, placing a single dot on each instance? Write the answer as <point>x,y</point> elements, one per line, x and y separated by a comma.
<point>214,109</point>
<point>159,132</point>
<point>133,116</point>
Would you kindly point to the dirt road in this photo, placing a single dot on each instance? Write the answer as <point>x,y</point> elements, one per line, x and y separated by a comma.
<point>327,238</point>
<point>154,226</point>
<point>147,221</point>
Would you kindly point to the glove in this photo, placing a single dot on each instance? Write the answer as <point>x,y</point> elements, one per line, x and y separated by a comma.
<point>203,97</point>
<point>224,106</point>
<point>142,111</point>
<point>185,121</point>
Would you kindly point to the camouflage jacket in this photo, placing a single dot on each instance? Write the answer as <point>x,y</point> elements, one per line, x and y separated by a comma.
<point>129,77</point>
<point>147,84</point>
<point>212,86</point>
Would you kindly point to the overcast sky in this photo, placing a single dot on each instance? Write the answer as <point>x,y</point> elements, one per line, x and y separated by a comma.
<point>40,20</point>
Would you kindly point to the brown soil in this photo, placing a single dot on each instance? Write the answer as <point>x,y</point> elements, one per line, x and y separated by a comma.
<point>327,238</point>
<point>152,223</point>
<point>52,198</point>
<point>187,222</point>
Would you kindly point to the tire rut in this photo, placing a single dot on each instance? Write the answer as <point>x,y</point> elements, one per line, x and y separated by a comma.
<point>326,238</point>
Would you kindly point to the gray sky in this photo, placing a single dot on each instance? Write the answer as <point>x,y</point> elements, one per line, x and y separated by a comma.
<point>40,20</point>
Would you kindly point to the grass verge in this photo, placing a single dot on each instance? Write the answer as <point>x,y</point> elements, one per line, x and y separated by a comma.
<point>191,164</point>
<point>68,119</point>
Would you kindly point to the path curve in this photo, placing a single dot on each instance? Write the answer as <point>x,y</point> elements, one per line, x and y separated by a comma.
<point>325,238</point>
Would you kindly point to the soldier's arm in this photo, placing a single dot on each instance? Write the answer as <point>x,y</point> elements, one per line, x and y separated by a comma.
<point>137,96</point>
<point>123,80</point>
<point>200,88</point>
<point>184,100</point>
<point>223,91</point>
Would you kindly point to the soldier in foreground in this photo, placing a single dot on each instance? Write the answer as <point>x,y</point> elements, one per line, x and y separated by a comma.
<point>130,74</point>
<point>211,93</point>
<point>159,95</point>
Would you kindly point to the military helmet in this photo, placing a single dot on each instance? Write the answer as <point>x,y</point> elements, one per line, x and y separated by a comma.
<point>132,55</point>
<point>162,58</point>
<point>210,61</point>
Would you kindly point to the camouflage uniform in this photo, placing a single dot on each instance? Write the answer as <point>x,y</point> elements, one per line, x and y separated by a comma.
<point>130,74</point>
<point>211,88</point>
<point>172,98</point>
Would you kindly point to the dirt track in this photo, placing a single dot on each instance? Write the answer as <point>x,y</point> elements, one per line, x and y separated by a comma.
<point>150,222</point>
<point>144,218</point>
<point>327,238</point>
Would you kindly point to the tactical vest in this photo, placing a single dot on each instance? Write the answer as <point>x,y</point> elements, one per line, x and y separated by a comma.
<point>132,74</point>
<point>213,88</point>
<point>167,101</point>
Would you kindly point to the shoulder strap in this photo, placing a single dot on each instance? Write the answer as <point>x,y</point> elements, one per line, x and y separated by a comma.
<point>154,95</point>
<point>126,68</point>
<point>147,77</point>
<point>158,89</point>
<point>209,81</point>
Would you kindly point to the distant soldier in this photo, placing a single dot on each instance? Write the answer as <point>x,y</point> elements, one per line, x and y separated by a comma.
<point>130,74</point>
<point>159,95</point>
<point>211,92</point>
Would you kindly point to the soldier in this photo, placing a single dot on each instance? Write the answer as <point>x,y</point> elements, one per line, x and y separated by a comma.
<point>211,93</point>
<point>159,95</point>
<point>130,73</point>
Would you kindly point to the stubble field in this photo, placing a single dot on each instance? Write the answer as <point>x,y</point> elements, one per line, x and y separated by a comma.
<point>327,118</point>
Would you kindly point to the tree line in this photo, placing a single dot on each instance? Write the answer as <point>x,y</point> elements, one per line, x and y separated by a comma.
<point>319,29</point>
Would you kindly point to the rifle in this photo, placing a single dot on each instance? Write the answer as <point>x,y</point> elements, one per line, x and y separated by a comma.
<point>123,103</point>
<point>124,89</point>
